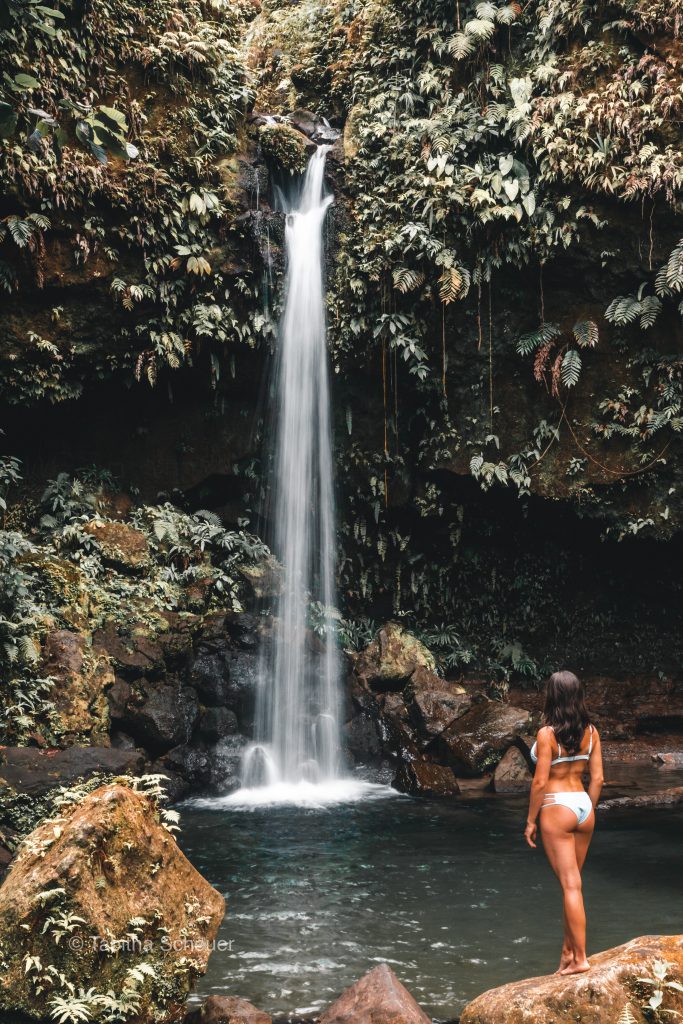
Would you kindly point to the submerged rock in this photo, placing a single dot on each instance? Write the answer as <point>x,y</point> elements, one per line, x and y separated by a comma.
<point>478,739</point>
<point>227,1010</point>
<point>132,916</point>
<point>597,997</point>
<point>422,778</point>
<point>378,998</point>
<point>663,798</point>
<point>512,774</point>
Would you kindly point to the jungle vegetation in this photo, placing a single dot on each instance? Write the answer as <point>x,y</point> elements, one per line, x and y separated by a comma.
<point>505,262</point>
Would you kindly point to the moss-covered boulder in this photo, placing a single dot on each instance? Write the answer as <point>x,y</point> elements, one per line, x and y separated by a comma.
<point>392,657</point>
<point>101,908</point>
<point>286,146</point>
<point>122,546</point>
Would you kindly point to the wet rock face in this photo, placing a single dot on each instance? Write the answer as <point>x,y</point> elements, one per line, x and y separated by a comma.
<point>432,729</point>
<point>186,694</point>
<point>108,862</point>
<point>592,998</point>
<point>158,715</point>
<point>34,772</point>
<point>478,739</point>
<point>378,998</point>
<point>422,778</point>
<point>192,768</point>
<point>227,1010</point>
<point>512,774</point>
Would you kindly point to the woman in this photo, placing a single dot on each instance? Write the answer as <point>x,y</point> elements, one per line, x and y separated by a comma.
<point>564,746</point>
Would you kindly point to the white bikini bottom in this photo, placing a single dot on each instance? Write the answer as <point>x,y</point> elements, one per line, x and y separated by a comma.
<point>579,803</point>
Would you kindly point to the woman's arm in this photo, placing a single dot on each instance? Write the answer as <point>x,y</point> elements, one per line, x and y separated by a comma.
<point>544,750</point>
<point>595,768</point>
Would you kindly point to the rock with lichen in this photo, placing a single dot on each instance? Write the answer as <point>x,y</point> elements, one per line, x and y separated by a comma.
<point>82,677</point>
<point>121,545</point>
<point>392,657</point>
<point>101,908</point>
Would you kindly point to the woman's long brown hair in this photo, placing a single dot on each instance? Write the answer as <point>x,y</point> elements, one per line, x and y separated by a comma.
<point>565,709</point>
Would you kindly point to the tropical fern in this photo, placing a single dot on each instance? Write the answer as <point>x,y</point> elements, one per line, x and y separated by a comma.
<point>454,283</point>
<point>586,333</point>
<point>570,370</point>
<point>534,339</point>
<point>407,279</point>
<point>626,309</point>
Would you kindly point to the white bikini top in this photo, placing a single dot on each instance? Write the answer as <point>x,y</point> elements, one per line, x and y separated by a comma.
<point>559,759</point>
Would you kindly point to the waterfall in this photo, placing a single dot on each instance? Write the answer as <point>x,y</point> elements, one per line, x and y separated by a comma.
<point>297,715</point>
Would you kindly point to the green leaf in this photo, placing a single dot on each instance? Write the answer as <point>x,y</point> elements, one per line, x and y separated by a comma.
<point>26,82</point>
<point>49,12</point>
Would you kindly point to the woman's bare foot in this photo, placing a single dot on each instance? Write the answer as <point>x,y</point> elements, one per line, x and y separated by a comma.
<point>566,958</point>
<point>576,967</point>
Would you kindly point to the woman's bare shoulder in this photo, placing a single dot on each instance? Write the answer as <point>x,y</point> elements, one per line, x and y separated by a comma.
<point>544,734</point>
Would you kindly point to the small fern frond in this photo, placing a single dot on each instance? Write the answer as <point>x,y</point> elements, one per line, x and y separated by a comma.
<point>570,370</point>
<point>528,343</point>
<point>586,333</point>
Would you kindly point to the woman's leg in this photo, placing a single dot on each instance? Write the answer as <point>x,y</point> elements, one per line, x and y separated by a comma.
<point>582,841</point>
<point>559,828</point>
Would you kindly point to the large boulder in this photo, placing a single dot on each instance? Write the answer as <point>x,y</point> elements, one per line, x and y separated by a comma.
<point>121,545</point>
<point>477,740</point>
<point>102,900</point>
<point>598,997</point>
<point>227,1010</point>
<point>390,659</point>
<point>422,778</point>
<point>512,774</point>
<point>378,998</point>
<point>33,772</point>
<point>82,677</point>
<point>434,704</point>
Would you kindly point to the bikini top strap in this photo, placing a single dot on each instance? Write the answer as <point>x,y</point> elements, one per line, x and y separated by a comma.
<point>590,742</point>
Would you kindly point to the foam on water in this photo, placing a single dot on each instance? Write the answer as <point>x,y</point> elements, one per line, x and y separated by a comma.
<point>299,794</point>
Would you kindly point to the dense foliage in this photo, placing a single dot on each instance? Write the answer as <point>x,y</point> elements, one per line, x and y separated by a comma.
<point>143,223</point>
<point>56,574</point>
<point>505,257</point>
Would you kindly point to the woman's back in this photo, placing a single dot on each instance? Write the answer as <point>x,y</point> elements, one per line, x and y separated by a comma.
<point>565,766</point>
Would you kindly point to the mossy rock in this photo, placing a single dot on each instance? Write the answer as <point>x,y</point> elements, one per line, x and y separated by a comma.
<point>102,873</point>
<point>285,146</point>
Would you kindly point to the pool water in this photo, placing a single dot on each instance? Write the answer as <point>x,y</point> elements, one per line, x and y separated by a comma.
<point>447,893</point>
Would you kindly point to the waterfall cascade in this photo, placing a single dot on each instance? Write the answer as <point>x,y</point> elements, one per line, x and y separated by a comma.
<point>297,715</point>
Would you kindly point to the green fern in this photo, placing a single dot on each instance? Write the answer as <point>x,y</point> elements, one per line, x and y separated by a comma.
<point>528,343</point>
<point>586,333</point>
<point>570,370</point>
